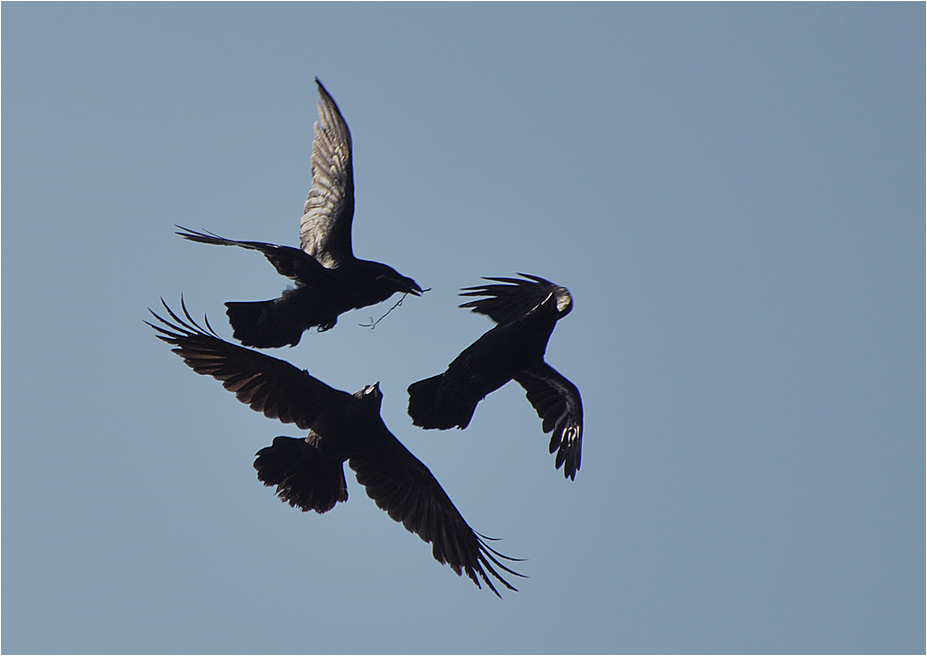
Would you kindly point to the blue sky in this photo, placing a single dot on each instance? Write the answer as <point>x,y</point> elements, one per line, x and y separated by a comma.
<point>734,195</point>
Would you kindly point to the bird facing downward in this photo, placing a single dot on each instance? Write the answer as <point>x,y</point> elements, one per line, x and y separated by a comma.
<point>525,312</point>
<point>329,279</point>
<point>309,473</point>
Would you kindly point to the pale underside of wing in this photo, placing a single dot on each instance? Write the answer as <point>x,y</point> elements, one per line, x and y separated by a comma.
<point>325,228</point>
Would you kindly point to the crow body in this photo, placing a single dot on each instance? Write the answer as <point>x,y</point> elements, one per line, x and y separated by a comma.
<point>309,473</point>
<point>526,312</point>
<point>329,279</point>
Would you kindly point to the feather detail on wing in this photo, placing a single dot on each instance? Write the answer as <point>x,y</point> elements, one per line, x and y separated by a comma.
<point>516,298</point>
<point>288,261</point>
<point>268,385</point>
<point>325,228</point>
<point>403,487</point>
<point>560,407</point>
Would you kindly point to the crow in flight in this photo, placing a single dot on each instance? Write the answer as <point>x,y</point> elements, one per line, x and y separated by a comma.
<point>525,312</point>
<point>309,472</point>
<point>329,279</point>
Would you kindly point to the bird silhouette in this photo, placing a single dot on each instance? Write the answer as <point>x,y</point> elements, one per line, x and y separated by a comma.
<point>309,473</point>
<point>525,312</point>
<point>329,279</point>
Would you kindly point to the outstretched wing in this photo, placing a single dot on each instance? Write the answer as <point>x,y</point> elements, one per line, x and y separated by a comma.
<point>325,229</point>
<point>403,487</point>
<point>515,298</point>
<point>559,405</point>
<point>268,385</point>
<point>288,261</point>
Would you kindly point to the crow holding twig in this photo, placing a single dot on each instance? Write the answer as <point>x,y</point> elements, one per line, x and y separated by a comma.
<point>329,279</point>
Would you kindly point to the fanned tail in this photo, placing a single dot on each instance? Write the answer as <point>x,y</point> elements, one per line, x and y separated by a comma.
<point>304,478</point>
<point>429,408</point>
<point>262,324</point>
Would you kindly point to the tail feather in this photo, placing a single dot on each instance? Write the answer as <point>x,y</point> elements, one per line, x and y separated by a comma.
<point>304,477</point>
<point>261,324</point>
<point>432,407</point>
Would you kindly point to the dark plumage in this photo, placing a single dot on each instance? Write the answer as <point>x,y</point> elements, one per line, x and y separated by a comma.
<point>329,279</point>
<point>525,312</point>
<point>309,473</point>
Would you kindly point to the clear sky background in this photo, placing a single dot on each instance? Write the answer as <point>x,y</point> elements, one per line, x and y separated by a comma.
<point>734,195</point>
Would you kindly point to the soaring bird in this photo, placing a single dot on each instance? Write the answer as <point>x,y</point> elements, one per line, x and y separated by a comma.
<point>525,311</point>
<point>309,473</point>
<point>329,279</point>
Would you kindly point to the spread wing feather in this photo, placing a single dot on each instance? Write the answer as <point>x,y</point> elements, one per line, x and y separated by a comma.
<point>268,385</point>
<point>511,300</point>
<point>560,407</point>
<point>288,261</point>
<point>325,228</point>
<point>405,488</point>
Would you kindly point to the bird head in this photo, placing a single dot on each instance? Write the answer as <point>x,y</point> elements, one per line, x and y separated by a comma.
<point>564,301</point>
<point>400,283</point>
<point>371,394</point>
<point>387,280</point>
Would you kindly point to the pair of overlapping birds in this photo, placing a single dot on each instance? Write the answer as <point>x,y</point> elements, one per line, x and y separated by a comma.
<point>309,472</point>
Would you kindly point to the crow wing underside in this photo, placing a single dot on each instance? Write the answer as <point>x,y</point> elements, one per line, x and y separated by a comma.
<point>268,385</point>
<point>403,487</point>
<point>325,227</point>
<point>558,404</point>
<point>510,301</point>
<point>288,261</point>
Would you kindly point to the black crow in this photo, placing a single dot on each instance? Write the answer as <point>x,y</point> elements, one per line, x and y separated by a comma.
<point>309,472</point>
<point>525,312</point>
<point>329,279</point>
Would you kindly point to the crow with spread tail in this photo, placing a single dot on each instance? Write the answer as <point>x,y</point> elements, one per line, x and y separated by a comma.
<point>329,279</point>
<point>309,473</point>
<point>525,312</point>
